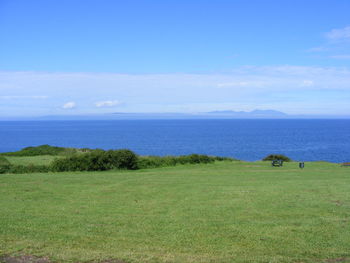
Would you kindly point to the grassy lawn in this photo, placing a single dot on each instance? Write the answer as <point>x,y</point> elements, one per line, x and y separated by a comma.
<point>36,160</point>
<point>222,212</point>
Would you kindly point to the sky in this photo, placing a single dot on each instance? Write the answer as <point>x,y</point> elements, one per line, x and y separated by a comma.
<point>71,57</point>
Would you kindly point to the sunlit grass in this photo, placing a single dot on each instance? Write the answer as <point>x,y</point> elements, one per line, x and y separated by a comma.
<point>35,160</point>
<point>222,212</point>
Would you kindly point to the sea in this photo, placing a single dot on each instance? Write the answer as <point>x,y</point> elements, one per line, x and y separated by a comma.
<point>244,139</point>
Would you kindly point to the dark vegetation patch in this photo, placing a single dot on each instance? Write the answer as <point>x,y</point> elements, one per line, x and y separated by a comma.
<point>273,157</point>
<point>45,150</point>
<point>97,160</point>
<point>164,161</point>
<point>4,161</point>
<point>22,169</point>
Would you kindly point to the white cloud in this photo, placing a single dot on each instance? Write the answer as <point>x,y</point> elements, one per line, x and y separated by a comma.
<point>23,97</point>
<point>307,83</point>
<point>107,103</point>
<point>337,41</point>
<point>249,85</point>
<point>340,56</point>
<point>69,105</point>
<point>339,34</point>
<point>233,84</point>
<point>318,49</point>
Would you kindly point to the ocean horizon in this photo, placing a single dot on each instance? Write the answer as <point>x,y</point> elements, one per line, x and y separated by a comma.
<point>244,139</point>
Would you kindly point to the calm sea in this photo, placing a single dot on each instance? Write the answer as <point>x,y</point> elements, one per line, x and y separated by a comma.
<point>307,140</point>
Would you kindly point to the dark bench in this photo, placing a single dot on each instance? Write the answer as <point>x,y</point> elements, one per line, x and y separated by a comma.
<point>277,163</point>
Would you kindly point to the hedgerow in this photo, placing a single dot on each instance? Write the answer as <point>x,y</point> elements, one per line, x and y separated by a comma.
<point>23,169</point>
<point>3,161</point>
<point>42,150</point>
<point>97,160</point>
<point>158,161</point>
<point>272,157</point>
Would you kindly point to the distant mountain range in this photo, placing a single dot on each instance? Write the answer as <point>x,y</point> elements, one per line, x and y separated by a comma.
<point>250,114</point>
<point>227,114</point>
<point>205,115</point>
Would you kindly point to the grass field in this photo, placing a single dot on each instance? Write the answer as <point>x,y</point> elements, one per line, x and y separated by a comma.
<point>27,160</point>
<point>222,212</point>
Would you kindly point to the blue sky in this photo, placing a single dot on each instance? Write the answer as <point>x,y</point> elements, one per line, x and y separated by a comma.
<point>80,57</point>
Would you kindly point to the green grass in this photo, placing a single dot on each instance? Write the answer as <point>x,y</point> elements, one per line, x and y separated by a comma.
<point>4,161</point>
<point>222,212</point>
<point>27,160</point>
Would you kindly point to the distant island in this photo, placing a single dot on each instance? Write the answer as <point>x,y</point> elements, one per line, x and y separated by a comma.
<point>224,114</point>
<point>250,114</point>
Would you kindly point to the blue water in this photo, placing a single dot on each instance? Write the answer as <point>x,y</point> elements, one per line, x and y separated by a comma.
<point>307,140</point>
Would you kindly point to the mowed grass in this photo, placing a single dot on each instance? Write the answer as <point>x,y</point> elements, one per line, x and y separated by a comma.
<point>35,160</point>
<point>222,212</point>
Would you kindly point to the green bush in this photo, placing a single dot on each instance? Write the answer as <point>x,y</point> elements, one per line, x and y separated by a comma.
<point>5,168</point>
<point>42,150</point>
<point>4,165</point>
<point>22,169</point>
<point>97,160</point>
<point>220,158</point>
<point>157,161</point>
<point>272,157</point>
<point>3,161</point>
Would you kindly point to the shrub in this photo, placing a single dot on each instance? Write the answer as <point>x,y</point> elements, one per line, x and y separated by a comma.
<point>195,158</point>
<point>157,161</point>
<point>100,160</point>
<point>220,158</point>
<point>3,161</point>
<point>122,159</point>
<point>42,150</point>
<point>5,168</point>
<point>4,165</point>
<point>97,160</point>
<point>272,157</point>
<point>22,169</point>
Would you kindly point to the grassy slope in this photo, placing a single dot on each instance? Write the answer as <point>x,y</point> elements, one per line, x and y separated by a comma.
<point>27,160</point>
<point>223,212</point>
<point>3,161</point>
